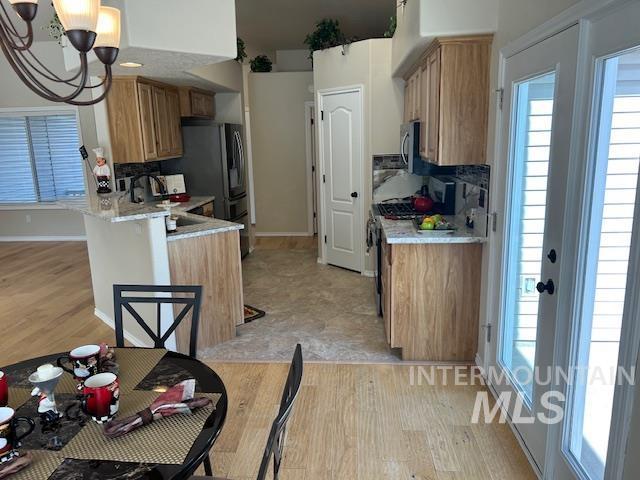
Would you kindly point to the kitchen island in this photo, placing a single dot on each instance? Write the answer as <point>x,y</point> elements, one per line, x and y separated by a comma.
<point>128,244</point>
<point>431,290</point>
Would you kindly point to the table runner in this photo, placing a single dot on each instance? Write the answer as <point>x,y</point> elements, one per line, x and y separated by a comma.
<point>167,441</point>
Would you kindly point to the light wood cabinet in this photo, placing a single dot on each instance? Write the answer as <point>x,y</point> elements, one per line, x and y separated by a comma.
<point>453,98</point>
<point>413,108</point>
<point>144,120</point>
<point>431,300</point>
<point>175,130</point>
<point>197,103</point>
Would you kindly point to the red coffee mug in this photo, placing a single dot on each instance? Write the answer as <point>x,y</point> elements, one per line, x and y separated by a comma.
<point>9,438</point>
<point>4,390</point>
<point>101,396</point>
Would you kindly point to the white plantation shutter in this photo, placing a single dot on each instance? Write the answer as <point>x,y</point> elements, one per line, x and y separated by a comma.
<point>16,177</point>
<point>39,158</point>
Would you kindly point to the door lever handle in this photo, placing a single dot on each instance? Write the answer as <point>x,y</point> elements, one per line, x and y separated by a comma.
<point>549,287</point>
<point>354,194</point>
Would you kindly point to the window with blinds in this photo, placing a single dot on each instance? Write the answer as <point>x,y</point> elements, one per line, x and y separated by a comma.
<point>39,158</point>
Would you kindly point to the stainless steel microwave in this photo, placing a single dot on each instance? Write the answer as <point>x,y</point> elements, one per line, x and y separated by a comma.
<point>410,145</point>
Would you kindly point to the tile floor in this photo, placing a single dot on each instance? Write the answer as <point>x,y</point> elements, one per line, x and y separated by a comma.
<point>330,311</point>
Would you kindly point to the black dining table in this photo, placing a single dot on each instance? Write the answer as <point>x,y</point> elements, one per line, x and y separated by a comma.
<point>171,369</point>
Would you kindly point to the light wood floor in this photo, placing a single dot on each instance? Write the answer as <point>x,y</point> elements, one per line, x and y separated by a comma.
<point>350,421</point>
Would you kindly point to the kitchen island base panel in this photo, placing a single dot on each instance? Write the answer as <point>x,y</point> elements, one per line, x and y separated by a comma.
<point>435,306</point>
<point>214,262</point>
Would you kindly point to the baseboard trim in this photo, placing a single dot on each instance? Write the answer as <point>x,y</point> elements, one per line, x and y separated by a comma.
<point>284,234</point>
<point>44,238</point>
<point>132,339</point>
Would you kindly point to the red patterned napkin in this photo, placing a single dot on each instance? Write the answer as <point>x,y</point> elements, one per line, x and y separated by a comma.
<point>15,465</point>
<point>178,399</point>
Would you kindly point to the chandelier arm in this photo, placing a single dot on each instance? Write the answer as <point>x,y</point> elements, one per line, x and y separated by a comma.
<point>29,79</point>
<point>46,72</point>
<point>107,86</point>
<point>11,30</point>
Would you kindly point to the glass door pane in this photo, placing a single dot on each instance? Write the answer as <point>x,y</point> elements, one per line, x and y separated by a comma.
<point>533,114</point>
<point>608,244</point>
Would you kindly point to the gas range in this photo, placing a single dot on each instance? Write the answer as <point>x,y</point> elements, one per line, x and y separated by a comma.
<point>396,211</point>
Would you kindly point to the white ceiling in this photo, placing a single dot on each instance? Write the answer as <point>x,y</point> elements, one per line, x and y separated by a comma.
<point>268,25</point>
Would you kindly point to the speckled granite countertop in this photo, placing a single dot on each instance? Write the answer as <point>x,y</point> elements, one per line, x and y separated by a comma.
<point>116,207</point>
<point>203,226</point>
<point>404,232</point>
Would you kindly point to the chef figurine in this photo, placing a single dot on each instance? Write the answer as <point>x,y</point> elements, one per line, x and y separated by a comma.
<point>102,171</point>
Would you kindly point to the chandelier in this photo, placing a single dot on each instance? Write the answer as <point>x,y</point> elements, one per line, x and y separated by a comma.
<point>87,25</point>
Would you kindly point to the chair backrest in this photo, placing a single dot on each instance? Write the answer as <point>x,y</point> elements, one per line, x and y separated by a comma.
<point>189,296</point>
<point>275,442</point>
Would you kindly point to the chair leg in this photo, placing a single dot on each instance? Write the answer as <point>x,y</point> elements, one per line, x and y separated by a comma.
<point>208,471</point>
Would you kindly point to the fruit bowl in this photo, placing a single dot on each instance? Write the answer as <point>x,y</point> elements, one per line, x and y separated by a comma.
<point>442,226</point>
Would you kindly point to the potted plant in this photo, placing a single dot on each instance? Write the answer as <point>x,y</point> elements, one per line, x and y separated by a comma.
<point>55,29</point>
<point>242,53</point>
<point>393,23</point>
<point>261,64</point>
<point>326,35</point>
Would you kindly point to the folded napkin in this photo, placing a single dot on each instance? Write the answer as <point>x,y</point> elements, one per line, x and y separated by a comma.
<point>15,465</point>
<point>178,399</point>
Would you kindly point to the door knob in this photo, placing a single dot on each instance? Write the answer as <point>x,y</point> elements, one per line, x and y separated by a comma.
<point>354,194</point>
<point>549,287</point>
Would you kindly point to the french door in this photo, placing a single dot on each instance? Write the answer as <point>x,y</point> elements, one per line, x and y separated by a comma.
<point>603,306</point>
<point>539,88</point>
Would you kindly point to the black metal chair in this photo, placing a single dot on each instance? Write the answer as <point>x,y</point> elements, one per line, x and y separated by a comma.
<point>275,442</point>
<point>191,298</point>
<point>180,296</point>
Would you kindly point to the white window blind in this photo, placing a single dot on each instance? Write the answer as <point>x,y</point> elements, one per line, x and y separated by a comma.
<point>39,158</point>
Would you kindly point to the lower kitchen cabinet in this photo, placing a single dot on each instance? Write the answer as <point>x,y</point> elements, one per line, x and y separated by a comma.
<point>431,300</point>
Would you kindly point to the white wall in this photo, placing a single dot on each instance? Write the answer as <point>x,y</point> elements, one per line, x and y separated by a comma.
<point>279,155</point>
<point>14,94</point>
<point>367,63</point>
<point>293,61</point>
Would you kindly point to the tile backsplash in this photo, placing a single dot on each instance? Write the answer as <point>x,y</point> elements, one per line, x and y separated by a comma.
<point>131,169</point>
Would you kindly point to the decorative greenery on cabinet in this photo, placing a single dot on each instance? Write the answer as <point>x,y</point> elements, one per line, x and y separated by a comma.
<point>326,35</point>
<point>261,64</point>
<point>242,53</point>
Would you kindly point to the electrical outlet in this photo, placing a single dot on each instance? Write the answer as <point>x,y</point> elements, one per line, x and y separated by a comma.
<point>28,218</point>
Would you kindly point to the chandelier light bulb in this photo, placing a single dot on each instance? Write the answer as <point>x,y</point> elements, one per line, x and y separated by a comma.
<point>108,28</point>
<point>78,14</point>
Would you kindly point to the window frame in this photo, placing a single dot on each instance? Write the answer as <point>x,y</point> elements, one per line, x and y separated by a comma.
<point>35,112</point>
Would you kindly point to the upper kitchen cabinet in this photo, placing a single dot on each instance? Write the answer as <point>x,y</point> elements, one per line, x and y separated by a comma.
<point>144,120</point>
<point>413,105</point>
<point>196,103</point>
<point>453,78</point>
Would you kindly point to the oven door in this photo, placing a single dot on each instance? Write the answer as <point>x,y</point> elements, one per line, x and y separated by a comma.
<point>377,245</point>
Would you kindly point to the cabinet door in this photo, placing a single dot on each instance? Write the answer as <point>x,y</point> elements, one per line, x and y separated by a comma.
<point>147,121</point>
<point>433,107</point>
<point>407,102</point>
<point>175,132</point>
<point>424,108</point>
<point>202,104</point>
<point>163,123</point>
<point>417,110</point>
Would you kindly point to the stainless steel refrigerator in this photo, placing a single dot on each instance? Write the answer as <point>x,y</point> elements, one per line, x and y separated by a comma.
<point>214,164</point>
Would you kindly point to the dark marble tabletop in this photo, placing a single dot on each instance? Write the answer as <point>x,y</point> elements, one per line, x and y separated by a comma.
<point>170,370</point>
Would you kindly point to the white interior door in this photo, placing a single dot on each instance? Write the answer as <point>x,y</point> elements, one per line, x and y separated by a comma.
<point>341,150</point>
<point>602,338</point>
<point>539,88</point>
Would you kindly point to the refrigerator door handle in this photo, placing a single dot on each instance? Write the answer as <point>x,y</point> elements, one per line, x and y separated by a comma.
<point>241,159</point>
